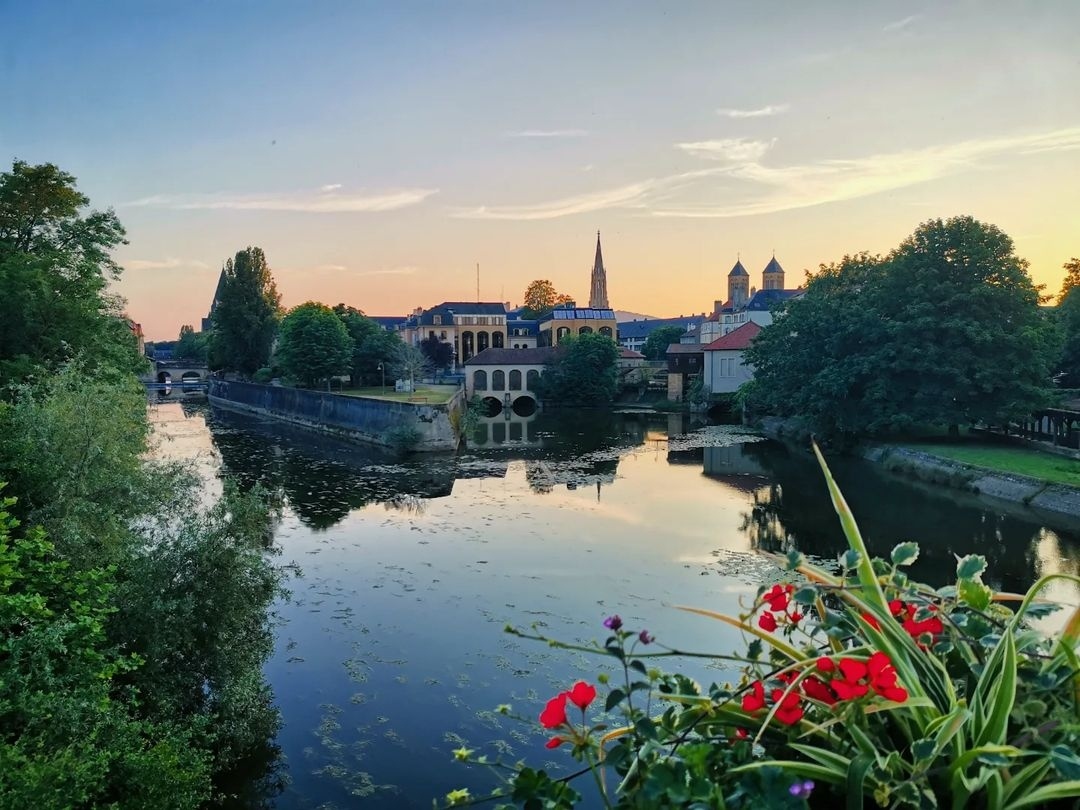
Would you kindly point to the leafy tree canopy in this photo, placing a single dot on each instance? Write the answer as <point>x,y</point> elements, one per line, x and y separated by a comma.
<point>541,297</point>
<point>1068,311</point>
<point>584,372</point>
<point>247,314</point>
<point>656,344</point>
<point>438,352</point>
<point>945,330</point>
<point>55,266</point>
<point>314,344</point>
<point>1072,277</point>
<point>192,345</point>
<point>372,346</point>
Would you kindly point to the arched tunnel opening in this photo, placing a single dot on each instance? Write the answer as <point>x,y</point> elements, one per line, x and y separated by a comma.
<point>524,406</point>
<point>491,406</point>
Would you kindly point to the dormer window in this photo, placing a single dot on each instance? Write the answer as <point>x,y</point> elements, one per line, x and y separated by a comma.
<point>437,320</point>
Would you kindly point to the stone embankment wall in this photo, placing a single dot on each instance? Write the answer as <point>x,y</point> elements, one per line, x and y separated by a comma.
<point>373,421</point>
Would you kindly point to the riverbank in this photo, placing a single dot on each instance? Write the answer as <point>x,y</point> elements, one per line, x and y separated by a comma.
<point>923,465</point>
<point>411,426</point>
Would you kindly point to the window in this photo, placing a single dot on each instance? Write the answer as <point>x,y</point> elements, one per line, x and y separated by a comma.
<point>437,320</point>
<point>442,335</point>
<point>515,380</point>
<point>498,380</point>
<point>693,361</point>
<point>480,380</point>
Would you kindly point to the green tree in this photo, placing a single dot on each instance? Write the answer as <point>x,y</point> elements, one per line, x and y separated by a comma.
<point>55,269</point>
<point>192,345</point>
<point>438,352</point>
<point>656,344</point>
<point>1068,313</point>
<point>247,314</point>
<point>584,372</point>
<point>70,734</point>
<point>944,331</point>
<point>372,346</point>
<point>314,344</point>
<point>1072,277</point>
<point>541,297</point>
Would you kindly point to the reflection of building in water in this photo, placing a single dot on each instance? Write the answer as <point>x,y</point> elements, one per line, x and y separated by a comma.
<point>506,428</point>
<point>734,467</point>
<point>544,476</point>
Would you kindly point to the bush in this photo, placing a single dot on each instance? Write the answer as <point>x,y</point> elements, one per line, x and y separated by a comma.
<point>263,375</point>
<point>858,687</point>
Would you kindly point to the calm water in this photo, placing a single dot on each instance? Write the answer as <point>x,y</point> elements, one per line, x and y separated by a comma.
<point>391,652</point>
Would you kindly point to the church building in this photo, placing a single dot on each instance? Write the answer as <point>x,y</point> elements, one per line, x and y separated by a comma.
<point>570,319</point>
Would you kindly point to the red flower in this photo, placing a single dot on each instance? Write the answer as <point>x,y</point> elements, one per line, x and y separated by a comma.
<point>767,622</point>
<point>883,678</point>
<point>554,713</point>
<point>870,620</point>
<point>787,677</point>
<point>777,597</point>
<point>754,700</point>
<point>818,690</point>
<point>896,607</point>
<point>849,687</point>
<point>789,712</point>
<point>796,616</point>
<point>825,664</point>
<point>582,694</point>
<point>741,733</point>
<point>554,742</point>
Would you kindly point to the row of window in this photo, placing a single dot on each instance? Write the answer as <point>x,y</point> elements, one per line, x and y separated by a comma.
<point>475,320</point>
<point>499,380</point>
<point>727,367</point>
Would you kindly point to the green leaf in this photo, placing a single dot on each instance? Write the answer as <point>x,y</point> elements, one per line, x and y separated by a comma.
<point>1041,797</point>
<point>639,666</point>
<point>923,749</point>
<point>806,596</point>
<point>856,777</point>
<point>1065,761</point>
<point>905,553</point>
<point>970,566</point>
<point>614,698</point>
<point>974,593</point>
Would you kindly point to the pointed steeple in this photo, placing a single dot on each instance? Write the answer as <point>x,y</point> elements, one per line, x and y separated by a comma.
<point>598,289</point>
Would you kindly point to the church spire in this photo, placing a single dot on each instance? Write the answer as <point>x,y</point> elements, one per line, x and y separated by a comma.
<point>598,290</point>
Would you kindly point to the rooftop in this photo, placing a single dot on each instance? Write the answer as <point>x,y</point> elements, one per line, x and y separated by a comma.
<point>763,300</point>
<point>580,314</point>
<point>735,340</point>
<point>685,348</point>
<point>513,357</point>
<point>643,328</point>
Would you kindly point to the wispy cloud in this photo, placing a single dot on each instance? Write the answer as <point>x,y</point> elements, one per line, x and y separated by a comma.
<point>761,112</point>
<point>771,189</point>
<point>402,270</point>
<point>633,195</point>
<point>325,201</point>
<point>730,150</point>
<point>169,263</point>
<point>750,187</point>
<point>548,133</point>
<point>330,187</point>
<point>897,25</point>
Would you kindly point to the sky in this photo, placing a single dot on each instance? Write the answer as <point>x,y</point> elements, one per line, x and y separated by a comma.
<point>379,152</point>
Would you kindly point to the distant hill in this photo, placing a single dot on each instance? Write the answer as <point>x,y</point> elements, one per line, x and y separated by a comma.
<point>622,315</point>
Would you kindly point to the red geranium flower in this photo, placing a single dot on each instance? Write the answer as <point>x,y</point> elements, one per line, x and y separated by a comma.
<point>741,733</point>
<point>788,712</point>
<point>818,690</point>
<point>754,700</point>
<point>767,622</point>
<point>554,713</point>
<point>582,694</point>
<point>825,664</point>
<point>777,597</point>
<point>872,621</point>
<point>554,742</point>
<point>849,687</point>
<point>883,678</point>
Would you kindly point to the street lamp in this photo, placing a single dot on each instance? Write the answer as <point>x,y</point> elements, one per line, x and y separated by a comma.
<point>383,370</point>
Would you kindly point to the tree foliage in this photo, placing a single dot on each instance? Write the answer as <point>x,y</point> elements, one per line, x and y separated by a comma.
<point>247,314</point>
<point>372,346</point>
<point>192,345</point>
<point>438,352</point>
<point>314,344</point>
<point>945,330</point>
<point>541,297</point>
<point>1068,313</point>
<point>55,269</point>
<point>656,344</point>
<point>584,372</point>
<point>410,363</point>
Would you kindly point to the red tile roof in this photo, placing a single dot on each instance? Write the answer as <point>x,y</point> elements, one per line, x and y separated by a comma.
<point>630,354</point>
<point>736,340</point>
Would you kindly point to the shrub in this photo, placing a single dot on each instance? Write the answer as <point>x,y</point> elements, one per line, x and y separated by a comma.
<point>403,438</point>
<point>858,687</point>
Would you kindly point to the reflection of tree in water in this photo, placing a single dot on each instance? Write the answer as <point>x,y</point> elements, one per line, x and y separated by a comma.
<point>794,511</point>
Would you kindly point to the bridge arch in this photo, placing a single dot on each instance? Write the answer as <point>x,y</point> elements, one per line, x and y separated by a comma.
<point>524,406</point>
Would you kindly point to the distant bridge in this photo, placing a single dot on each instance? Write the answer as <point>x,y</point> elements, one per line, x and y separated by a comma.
<point>170,375</point>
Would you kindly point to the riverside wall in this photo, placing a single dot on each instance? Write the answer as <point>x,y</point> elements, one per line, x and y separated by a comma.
<point>370,421</point>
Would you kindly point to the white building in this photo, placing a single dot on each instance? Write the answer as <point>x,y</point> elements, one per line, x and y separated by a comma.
<point>724,369</point>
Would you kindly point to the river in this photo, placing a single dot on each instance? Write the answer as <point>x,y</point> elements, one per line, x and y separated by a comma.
<point>390,651</point>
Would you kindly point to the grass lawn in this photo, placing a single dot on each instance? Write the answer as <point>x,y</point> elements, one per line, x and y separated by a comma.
<point>1019,460</point>
<point>429,394</point>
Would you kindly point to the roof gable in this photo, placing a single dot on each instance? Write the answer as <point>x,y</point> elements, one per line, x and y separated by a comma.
<point>735,340</point>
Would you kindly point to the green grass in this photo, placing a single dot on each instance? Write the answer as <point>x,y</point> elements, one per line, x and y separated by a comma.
<point>429,394</point>
<point>1018,460</point>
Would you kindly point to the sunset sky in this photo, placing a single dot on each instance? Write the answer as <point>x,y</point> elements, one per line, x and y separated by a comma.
<point>378,151</point>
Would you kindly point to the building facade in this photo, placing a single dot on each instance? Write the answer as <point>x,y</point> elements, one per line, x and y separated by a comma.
<point>470,327</point>
<point>633,334</point>
<point>505,379</point>
<point>723,367</point>
<point>570,319</point>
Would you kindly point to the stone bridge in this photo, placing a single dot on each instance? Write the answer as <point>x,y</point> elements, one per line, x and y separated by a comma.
<point>187,376</point>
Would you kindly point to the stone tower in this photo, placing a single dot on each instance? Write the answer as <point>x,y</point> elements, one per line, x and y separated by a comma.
<point>598,290</point>
<point>773,277</point>
<point>738,286</point>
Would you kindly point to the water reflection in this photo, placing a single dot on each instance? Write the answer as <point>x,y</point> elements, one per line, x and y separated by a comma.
<point>390,652</point>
